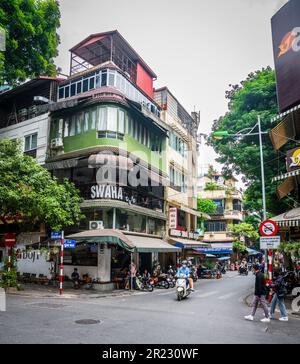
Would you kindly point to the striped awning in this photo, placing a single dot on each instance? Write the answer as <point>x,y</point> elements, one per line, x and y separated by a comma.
<point>286,175</point>
<point>288,219</point>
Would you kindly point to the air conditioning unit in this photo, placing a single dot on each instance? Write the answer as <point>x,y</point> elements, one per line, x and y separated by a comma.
<point>57,143</point>
<point>96,225</point>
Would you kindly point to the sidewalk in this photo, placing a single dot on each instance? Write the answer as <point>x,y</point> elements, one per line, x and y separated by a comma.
<point>37,291</point>
<point>288,302</point>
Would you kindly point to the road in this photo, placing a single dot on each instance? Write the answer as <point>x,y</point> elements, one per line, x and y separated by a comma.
<point>213,314</point>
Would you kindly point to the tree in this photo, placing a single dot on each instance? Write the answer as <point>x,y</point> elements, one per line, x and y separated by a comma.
<point>29,191</point>
<point>31,39</point>
<point>243,230</point>
<point>252,97</point>
<point>206,206</point>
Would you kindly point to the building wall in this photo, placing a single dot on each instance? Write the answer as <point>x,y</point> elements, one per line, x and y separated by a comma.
<point>37,125</point>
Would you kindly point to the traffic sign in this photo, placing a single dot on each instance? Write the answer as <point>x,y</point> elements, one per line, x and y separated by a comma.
<point>10,240</point>
<point>269,242</point>
<point>56,235</point>
<point>268,228</point>
<point>70,244</point>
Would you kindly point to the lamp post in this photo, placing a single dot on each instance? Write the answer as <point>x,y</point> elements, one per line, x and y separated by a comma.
<point>219,135</point>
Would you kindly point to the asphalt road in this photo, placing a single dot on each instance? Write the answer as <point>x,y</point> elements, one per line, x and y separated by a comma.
<point>213,314</point>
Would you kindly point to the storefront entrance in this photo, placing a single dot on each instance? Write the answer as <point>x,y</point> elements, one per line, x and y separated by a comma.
<point>145,262</point>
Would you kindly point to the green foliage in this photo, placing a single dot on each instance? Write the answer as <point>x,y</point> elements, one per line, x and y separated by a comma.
<point>206,206</point>
<point>28,189</point>
<point>292,249</point>
<point>253,97</point>
<point>245,230</point>
<point>211,186</point>
<point>239,247</point>
<point>9,279</point>
<point>31,39</point>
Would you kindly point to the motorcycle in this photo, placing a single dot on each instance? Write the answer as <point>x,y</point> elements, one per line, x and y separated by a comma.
<point>160,282</point>
<point>143,283</point>
<point>182,290</point>
<point>291,281</point>
<point>243,271</point>
<point>194,274</point>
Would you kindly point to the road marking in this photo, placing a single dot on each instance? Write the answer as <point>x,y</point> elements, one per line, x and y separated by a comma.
<point>226,296</point>
<point>207,294</point>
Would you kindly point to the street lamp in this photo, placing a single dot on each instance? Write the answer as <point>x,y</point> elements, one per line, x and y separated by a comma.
<point>219,135</point>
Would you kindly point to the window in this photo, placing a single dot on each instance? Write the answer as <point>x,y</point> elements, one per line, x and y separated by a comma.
<point>111,80</point>
<point>98,81</point>
<point>73,89</point>
<point>30,142</point>
<point>61,93</point>
<point>86,121</point>
<point>79,118</point>
<point>102,119</point>
<point>93,121</point>
<point>112,118</point>
<point>67,91</point>
<point>66,130</point>
<point>72,128</point>
<point>85,86</point>
<point>92,83</point>
<point>79,87</point>
<point>121,122</point>
<point>104,78</point>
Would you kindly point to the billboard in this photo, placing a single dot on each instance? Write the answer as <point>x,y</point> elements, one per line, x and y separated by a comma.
<point>293,159</point>
<point>286,46</point>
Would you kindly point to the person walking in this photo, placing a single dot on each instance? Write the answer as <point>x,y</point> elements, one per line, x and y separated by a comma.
<point>259,295</point>
<point>133,271</point>
<point>280,291</point>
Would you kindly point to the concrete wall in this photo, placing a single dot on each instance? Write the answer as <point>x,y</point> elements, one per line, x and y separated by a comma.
<point>37,125</point>
<point>34,263</point>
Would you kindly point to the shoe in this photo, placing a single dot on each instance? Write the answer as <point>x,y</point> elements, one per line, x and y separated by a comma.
<point>266,319</point>
<point>192,290</point>
<point>283,319</point>
<point>249,318</point>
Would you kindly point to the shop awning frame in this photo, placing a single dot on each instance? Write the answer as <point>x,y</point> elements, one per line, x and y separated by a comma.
<point>286,175</point>
<point>188,244</point>
<point>288,219</point>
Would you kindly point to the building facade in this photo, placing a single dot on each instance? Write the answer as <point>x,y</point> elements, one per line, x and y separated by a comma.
<point>129,149</point>
<point>228,200</point>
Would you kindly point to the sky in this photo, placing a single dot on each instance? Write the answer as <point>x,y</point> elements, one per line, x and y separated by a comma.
<point>196,47</point>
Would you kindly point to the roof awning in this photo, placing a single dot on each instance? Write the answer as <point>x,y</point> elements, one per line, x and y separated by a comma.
<point>253,252</point>
<point>216,251</point>
<point>286,175</point>
<point>108,236</point>
<point>188,244</point>
<point>285,188</point>
<point>290,218</point>
<point>144,244</point>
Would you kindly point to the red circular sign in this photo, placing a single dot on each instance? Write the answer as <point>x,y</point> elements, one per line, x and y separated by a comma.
<point>268,228</point>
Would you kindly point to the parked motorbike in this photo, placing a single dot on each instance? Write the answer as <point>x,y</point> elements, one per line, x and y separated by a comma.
<point>143,283</point>
<point>182,289</point>
<point>291,281</point>
<point>160,282</point>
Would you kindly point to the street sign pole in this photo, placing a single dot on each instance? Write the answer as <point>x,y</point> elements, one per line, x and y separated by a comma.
<point>61,271</point>
<point>263,184</point>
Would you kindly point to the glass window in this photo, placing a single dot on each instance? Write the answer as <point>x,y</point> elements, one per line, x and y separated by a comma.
<point>72,128</point>
<point>104,78</point>
<point>67,91</point>
<point>98,81</point>
<point>121,122</point>
<point>30,142</point>
<point>93,121</point>
<point>111,80</point>
<point>112,119</point>
<point>92,83</point>
<point>102,125</point>
<point>73,89</point>
<point>118,81</point>
<point>66,129</point>
<point>85,86</point>
<point>61,93</point>
<point>86,121</point>
<point>79,123</point>
<point>79,87</point>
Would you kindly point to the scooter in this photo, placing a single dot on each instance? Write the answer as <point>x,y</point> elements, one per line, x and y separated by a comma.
<point>182,290</point>
<point>143,283</point>
<point>243,271</point>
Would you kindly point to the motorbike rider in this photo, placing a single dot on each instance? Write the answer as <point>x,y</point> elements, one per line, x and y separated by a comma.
<point>185,271</point>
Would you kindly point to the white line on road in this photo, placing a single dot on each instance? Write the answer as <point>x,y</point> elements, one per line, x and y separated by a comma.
<point>207,294</point>
<point>228,295</point>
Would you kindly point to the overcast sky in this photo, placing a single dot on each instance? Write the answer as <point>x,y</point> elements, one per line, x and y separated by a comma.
<point>196,47</point>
